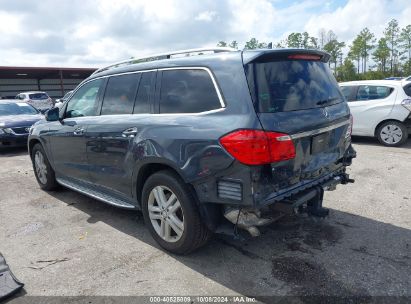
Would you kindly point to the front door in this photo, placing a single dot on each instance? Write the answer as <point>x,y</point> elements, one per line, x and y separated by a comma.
<point>67,137</point>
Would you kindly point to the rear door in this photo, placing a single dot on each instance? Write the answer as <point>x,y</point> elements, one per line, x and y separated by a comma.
<point>125,110</point>
<point>296,94</point>
<point>371,105</point>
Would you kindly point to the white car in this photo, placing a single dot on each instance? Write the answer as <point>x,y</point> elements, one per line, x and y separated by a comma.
<point>40,100</point>
<point>380,108</point>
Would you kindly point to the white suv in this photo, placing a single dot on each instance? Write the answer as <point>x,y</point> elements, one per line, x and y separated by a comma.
<point>39,100</point>
<point>380,108</point>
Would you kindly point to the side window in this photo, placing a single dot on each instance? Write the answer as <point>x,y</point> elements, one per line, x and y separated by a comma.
<point>187,91</point>
<point>348,92</point>
<point>120,94</point>
<point>84,102</point>
<point>407,90</point>
<point>145,90</point>
<point>373,92</point>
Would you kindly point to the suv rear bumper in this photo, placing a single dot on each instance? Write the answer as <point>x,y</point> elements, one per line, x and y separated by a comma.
<point>246,187</point>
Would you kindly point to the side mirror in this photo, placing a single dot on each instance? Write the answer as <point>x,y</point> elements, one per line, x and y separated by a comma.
<point>52,114</point>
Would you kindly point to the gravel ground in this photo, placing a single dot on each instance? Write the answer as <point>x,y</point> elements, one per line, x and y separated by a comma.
<point>362,249</point>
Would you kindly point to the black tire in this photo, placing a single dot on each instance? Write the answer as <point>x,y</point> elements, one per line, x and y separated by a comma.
<point>396,124</point>
<point>195,233</point>
<point>50,183</point>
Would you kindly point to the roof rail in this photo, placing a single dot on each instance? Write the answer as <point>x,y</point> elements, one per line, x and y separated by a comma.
<point>165,56</point>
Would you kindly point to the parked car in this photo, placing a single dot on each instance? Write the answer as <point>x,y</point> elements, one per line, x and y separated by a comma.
<point>40,100</point>
<point>200,142</point>
<point>16,118</point>
<point>394,78</point>
<point>380,108</point>
<point>60,101</point>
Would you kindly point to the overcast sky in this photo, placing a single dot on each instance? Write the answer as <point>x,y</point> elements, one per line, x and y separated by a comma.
<point>96,32</point>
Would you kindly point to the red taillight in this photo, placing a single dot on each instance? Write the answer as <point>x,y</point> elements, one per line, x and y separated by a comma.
<point>256,147</point>
<point>304,57</point>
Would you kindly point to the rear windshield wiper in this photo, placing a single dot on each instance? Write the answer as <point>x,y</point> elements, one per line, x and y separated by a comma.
<point>325,101</point>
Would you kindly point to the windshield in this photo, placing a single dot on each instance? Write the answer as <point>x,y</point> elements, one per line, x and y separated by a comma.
<point>290,85</point>
<point>16,109</point>
<point>37,96</point>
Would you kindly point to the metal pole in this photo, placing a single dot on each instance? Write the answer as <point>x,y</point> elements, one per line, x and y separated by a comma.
<point>61,83</point>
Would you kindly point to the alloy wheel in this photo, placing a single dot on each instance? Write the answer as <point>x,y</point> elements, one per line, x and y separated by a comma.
<point>40,166</point>
<point>166,214</point>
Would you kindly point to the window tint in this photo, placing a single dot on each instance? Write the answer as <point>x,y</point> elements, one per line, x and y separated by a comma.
<point>290,85</point>
<point>37,96</point>
<point>187,91</point>
<point>120,93</point>
<point>349,92</point>
<point>407,89</point>
<point>84,102</point>
<point>373,92</point>
<point>145,88</point>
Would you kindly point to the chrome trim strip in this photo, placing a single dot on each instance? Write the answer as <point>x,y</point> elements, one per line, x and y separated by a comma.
<point>318,131</point>
<point>72,187</point>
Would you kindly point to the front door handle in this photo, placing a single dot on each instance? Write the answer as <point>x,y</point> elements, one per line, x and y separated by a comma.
<point>78,131</point>
<point>130,132</point>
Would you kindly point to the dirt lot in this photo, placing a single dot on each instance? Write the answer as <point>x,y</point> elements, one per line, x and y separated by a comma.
<point>363,248</point>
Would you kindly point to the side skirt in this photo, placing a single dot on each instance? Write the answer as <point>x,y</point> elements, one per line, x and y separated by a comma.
<point>94,193</point>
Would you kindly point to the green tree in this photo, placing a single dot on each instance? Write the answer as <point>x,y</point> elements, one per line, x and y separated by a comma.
<point>405,44</point>
<point>251,44</point>
<point>367,43</point>
<point>391,34</point>
<point>355,51</point>
<point>222,44</point>
<point>381,54</point>
<point>294,40</point>
<point>334,48</point>
<point>313,43</point>
<point>233,44</point>
<point>346,71</point>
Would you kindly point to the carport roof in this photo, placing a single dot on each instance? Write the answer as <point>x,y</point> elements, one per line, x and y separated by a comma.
<point>8,72</point>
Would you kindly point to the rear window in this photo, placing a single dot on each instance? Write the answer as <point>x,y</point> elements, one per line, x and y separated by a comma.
<point>188,91</point>
<point>407,89</point>
<point>291,85</point>
<point>37,96</point>
<point>367,92</point>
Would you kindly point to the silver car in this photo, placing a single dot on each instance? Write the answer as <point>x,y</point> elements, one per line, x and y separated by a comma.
<point>39,100</point>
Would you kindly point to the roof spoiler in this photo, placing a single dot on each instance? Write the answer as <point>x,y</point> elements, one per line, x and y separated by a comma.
<point>279,54</point>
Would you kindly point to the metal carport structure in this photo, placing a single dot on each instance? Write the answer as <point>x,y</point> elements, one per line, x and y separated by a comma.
<point>56,81</point>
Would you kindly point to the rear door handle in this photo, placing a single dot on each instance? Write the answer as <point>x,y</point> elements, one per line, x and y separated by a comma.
<point>78,131</point>
<point>130,132</point>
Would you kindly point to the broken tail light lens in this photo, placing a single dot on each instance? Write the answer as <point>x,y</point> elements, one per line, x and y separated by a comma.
<point>257,147</point>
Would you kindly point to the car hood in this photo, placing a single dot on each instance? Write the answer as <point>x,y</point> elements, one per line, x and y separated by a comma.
<point>12,121</point>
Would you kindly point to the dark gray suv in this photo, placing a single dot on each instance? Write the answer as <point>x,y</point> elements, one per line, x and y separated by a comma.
<point>201,140</point>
